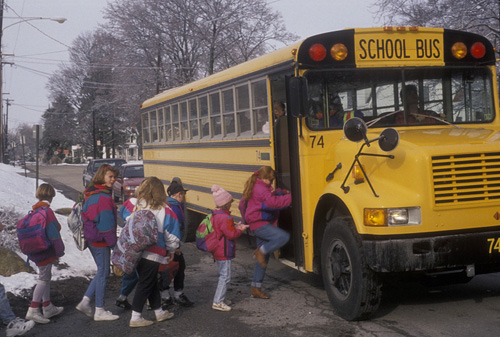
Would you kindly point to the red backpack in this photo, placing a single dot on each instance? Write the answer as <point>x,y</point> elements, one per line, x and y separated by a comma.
<point>31,232</point>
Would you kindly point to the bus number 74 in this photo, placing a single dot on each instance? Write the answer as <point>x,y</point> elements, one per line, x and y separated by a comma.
<point>494,244</point>
<point>320,141</point>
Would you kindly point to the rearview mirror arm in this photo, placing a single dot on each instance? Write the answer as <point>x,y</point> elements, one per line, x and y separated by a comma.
<point>356,160</point>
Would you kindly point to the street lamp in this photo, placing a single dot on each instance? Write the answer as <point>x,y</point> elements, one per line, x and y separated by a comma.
<point>26,19</point>
<point>3,133</point>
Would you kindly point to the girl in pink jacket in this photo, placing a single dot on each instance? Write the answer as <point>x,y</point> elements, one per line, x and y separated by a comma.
<point>260,208</point>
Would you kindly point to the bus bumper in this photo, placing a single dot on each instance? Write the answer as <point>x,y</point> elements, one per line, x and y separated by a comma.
<point>438,253</point>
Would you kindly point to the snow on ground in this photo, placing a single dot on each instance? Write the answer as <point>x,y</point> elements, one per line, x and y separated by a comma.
<point>18,192</point>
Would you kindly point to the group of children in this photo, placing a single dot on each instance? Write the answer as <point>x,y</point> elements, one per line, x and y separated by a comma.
<point>259,208</point>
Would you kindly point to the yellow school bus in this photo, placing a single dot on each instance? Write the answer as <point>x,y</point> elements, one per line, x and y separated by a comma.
<point>390,146</point>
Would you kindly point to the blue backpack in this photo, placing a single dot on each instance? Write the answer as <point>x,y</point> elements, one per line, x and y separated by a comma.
<point>31,232</point>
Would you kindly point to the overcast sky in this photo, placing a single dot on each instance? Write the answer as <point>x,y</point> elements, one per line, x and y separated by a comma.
<point>37,53</point>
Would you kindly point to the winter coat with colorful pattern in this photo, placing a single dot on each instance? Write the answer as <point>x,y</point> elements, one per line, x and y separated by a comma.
<point>99,217</point>
<point>169,228</point>
<point>52,231</point>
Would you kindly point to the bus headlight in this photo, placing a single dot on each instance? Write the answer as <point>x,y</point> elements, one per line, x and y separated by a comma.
<point>392,216</point>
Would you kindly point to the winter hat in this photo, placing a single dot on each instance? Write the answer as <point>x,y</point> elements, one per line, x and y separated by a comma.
<point>221,196</point>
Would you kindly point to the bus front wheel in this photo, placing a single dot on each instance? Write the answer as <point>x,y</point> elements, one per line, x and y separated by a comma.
<point>353,289</point>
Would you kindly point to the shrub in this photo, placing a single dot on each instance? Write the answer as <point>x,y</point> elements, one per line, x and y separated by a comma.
<point>55,160</point>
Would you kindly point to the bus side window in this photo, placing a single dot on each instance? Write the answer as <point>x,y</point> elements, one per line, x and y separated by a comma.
<point>259,106</point>
<point>243,110</point>
<point>215,114</point>
<point>228,112</point>
<point>204,122</point>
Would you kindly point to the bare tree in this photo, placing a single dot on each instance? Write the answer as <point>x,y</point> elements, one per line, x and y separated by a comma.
<point>58,127</point>
<point>152,45</point>
<point>236,31</point>
<point>478,16</point>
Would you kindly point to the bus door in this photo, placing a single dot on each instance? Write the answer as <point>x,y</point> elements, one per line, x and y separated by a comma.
<point>284,157</point>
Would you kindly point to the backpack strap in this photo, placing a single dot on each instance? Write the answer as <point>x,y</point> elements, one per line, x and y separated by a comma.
<point>30,215</point>
<point>222,236</point>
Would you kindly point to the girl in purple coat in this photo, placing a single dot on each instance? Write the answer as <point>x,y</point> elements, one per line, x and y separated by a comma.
<point>44,260</point>
<point>260,208</point>
<point>223,224</point>
<point>99,227</point>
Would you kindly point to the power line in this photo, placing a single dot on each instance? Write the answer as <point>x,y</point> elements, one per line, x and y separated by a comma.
<point>42,32</point>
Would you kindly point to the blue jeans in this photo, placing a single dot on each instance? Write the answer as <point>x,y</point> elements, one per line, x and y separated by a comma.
<point>268,238</point>
<point>128,283</point>
<point>224,279</point>
<point>6,314</point>
<point>97,286</point>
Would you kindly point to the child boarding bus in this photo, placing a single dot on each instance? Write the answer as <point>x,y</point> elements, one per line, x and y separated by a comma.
<point>388,139</point>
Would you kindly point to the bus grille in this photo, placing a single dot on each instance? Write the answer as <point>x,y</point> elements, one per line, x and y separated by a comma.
<point>466,178</point>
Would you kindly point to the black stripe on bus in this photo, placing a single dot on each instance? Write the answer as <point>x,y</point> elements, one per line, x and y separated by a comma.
<point>264,142</point>
<point>203,189</point>
<point>210,166</point>
<point>375,237</point>
<point>205,210</point>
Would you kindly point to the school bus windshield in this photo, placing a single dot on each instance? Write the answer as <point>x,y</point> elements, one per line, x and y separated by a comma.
<point>389,97</point>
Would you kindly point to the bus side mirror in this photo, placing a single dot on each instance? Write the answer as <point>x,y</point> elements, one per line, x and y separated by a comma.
<point>297,96</point>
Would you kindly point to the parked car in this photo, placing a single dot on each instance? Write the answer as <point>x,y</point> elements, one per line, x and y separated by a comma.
<point>131,176</point>
<point>94,164</point>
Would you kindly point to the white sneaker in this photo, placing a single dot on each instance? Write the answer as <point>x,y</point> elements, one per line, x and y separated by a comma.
<point>163,315</point>
<point>137,323</point>
<point>18,327</point>
<point>84,307</point>
<point>51,310</point>
<point>36,315</point>
<point>221,306</point>
<point>104,315</point>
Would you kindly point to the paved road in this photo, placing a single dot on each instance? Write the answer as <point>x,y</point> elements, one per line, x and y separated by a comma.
<point>298,306</point>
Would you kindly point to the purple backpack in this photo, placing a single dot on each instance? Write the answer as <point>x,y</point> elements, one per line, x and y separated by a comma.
<point>31,232</point>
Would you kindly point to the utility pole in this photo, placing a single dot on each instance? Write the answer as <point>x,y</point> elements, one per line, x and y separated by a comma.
<point>3,138</point>
<point>37,141</point>
<point>6,131</point>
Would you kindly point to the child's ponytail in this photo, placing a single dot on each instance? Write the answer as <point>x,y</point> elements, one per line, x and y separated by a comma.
<point>265,172</point>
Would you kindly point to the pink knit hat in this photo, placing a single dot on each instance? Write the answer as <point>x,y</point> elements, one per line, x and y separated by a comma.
<point>221,196</point>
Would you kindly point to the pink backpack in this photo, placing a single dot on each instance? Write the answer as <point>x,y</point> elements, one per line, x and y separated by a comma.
<point>31,232</point>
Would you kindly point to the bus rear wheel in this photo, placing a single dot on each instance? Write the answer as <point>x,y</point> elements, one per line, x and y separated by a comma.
<point>353,289</point>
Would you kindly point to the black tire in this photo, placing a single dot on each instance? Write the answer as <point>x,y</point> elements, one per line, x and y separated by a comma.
<point>122,197</point>
<point>353,289</point>
<point>191,221</point>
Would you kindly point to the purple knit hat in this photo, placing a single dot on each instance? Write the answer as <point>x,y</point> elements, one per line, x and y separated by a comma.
<point>221,196</point>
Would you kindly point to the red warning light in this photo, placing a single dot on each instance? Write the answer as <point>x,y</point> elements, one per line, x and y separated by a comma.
<point>317,52</point>
<point>478,50</point>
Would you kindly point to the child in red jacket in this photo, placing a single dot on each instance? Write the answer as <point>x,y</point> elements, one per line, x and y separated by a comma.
<point>41,295</point>
<point>227,231</point>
